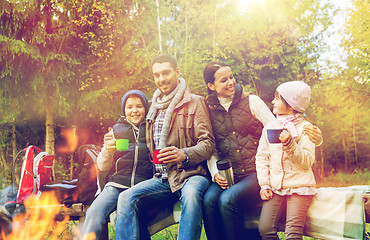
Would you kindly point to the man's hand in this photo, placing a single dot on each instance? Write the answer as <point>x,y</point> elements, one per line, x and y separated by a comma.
<point>171,154</point>
<point>266,194</point>
<point>221,181</point>
<point>313,133</point>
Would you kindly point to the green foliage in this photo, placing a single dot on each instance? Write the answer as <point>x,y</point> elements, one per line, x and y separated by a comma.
<point>79,58</point>
<point>60,170</point>
<point>340,101</point>
<point>357,42</point>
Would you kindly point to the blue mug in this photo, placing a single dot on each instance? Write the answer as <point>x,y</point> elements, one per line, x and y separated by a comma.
<point>273,135</point>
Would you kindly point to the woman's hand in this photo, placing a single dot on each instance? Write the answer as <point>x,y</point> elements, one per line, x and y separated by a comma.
<point>266,194</point>
<point>221,181</point>
<point>314,134</point>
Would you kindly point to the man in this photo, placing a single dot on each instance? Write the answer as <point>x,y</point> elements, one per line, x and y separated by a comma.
<point>177,123</point>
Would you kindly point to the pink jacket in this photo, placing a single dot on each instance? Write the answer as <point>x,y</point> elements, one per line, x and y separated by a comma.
<point>281,167</point>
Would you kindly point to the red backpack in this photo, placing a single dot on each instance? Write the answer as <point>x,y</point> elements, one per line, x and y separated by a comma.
<point>36,171</point>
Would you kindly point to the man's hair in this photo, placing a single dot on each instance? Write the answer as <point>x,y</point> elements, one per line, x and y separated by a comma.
<point>163,58</point>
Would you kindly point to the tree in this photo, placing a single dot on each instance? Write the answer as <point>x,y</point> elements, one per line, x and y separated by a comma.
<point>61,53</point>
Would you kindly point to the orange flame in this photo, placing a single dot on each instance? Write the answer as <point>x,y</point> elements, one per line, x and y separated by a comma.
<point>39,220</point>
<point>69,134</point>
<point>89,236</point>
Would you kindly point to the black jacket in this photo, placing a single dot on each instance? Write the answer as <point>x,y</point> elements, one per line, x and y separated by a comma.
<point>237,132</point>
<point>131,169</point>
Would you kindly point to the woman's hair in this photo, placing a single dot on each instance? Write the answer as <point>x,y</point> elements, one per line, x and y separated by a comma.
<point>209,72</point>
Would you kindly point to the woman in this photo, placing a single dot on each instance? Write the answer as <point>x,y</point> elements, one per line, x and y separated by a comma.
<point>237,119</point>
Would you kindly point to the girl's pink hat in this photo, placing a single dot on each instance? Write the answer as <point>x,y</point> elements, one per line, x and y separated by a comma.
<point>296,93</point>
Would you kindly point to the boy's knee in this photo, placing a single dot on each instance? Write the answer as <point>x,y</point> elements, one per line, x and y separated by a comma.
<point>93,212</point>
<point>124,201</point>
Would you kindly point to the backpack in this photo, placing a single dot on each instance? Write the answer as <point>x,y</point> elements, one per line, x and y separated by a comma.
<point>36,172</point>
<point>89,182</point>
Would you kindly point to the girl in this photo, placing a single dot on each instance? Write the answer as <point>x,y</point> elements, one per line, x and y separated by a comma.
<point>126,168</point>
<point>284,169</point>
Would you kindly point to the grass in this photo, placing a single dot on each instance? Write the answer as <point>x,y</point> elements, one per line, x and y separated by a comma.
<point>343,179</point>
<point>170,233</point>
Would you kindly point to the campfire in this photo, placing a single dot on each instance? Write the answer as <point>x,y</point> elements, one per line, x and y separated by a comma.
<point>45,218</point>
<point>39,221</point>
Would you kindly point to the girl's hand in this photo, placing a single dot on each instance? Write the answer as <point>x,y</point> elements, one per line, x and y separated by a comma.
<point>221,181</point>
<point>285,136</point>
<point>266,194</point>
<point>313,133</point>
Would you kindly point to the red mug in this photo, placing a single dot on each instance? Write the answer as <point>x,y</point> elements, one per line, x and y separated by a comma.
<point>153,157</point>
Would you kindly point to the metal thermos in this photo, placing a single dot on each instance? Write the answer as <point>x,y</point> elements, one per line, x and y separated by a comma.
<point>226,171</point>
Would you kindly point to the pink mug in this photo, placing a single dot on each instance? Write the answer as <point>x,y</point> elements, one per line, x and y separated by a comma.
<point>153,157</point>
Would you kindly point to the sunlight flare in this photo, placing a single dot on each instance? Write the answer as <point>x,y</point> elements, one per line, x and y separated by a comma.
<point>247,4</point>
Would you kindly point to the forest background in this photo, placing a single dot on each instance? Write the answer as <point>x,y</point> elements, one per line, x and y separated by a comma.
<point>64,65</point>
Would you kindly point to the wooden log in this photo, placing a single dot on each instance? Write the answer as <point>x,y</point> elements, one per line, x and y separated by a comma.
<point>75,212</point>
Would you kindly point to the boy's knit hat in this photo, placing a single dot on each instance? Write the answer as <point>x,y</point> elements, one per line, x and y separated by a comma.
<point>296,93</point>
<point>137,93</point>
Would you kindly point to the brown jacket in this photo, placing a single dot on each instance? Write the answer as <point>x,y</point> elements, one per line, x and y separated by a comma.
<point>190,130</point>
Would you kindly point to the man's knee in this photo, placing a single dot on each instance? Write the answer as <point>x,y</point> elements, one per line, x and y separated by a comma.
<point>191,195</point>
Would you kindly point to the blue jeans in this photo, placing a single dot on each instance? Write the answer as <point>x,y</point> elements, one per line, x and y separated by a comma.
<point>295,206</point>
<point>100,210</point>
<point>224,210</point>
<point>134,202</point>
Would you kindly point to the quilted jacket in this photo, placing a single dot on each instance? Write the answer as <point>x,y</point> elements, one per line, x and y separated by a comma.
<point>237,132</point>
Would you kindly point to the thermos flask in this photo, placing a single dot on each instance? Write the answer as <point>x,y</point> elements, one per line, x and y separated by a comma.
<point>226,171</point>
